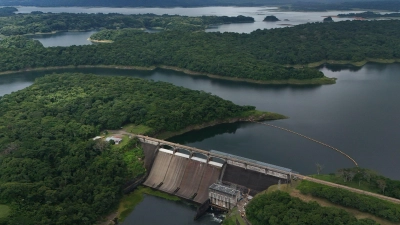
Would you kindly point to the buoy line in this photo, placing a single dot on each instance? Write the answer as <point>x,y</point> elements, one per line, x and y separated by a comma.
<point>321,143</point>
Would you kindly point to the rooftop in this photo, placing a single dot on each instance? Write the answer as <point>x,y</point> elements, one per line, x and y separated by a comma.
<point>224,189</point>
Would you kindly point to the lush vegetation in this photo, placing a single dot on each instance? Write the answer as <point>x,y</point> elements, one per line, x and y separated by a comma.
<point>271,19</point>
<point>328,19</point>
<point>369,15</point>
<point>280,208</point>
<point>52,22</point>
<point>363,203</point>
<point>8,11</point>
<point>260,55</point>
<point>52,172</point>
<point>364,179</point>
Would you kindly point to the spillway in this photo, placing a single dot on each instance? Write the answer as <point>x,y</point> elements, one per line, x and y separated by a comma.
<point>210,176</point>
<point>159,169</point>
<point>174,175</point>
<point>191,179</point>
<point>253,180</point>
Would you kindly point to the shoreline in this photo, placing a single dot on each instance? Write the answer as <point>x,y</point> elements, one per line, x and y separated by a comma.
<point>250,116</point>
<point>100,41</point>
<point>315,81</point>
<point>346,62</point>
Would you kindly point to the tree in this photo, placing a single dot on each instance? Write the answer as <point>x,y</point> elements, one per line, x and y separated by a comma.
<point>319,168</point>
<point>381,185</point>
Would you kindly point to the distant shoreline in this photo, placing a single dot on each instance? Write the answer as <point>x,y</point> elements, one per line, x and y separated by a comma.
<point>316,81</point>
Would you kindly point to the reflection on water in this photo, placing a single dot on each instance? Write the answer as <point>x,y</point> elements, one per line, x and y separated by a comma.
<point>64,38</point>
<point>338,68</point>
<point>155,210</point>
<point>206,133</point>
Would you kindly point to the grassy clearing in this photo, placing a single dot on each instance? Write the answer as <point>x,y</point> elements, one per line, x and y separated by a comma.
<point>354,184</point>
<point>232,217</point>
<point>137,129</point>
<point>4,211</point>
<point>129,202</point>
<point>291,189</point>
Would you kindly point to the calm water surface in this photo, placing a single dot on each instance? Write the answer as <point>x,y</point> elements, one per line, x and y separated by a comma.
<point>64,38</point>
<point>166,212</point>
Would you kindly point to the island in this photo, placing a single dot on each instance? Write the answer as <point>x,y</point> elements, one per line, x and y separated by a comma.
<point>271,19</point>
<point>39,22</point>
<point>369,15</point>
<point>328,19</point>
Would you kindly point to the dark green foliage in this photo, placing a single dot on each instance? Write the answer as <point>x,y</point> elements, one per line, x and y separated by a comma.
<point>279,208</point>
<point>328,19</point>
<point>363,203</point>
<point>52,22</point>
<point>8,11</point>
<point>258,56</point>
<point>371,179</point>
<point>20,42</point>
<point>271,19</point>
<point>369,14</point>
<point>53,173</point>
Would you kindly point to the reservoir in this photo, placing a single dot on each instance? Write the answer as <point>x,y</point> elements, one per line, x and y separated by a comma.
<point>358,115</point>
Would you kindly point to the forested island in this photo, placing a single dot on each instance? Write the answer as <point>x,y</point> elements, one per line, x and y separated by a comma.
<point>52,172</point>
<point>38,22</point>
<point>271,19</point>
<point>369,15</point>
<point>263,56</point>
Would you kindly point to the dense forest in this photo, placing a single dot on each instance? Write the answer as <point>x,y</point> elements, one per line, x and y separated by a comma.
<point>363,203</point>
<point>37,22</point>
<point>279,208</point>
<point>261,55</point>
<point>51,172</point>
<point>368,15</point>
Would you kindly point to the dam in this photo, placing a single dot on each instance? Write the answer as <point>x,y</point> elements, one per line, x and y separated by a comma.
<point>188,172</point>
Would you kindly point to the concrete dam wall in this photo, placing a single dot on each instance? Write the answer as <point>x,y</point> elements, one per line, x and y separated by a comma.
<point>182,176</point>
<point>190,177</point>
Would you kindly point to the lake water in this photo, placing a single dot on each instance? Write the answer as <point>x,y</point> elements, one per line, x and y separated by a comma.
<point>359,115</point>
<point>258,13</point>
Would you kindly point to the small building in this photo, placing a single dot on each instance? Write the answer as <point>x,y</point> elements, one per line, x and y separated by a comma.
<point>223,196</point>
<point>115,139</point>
